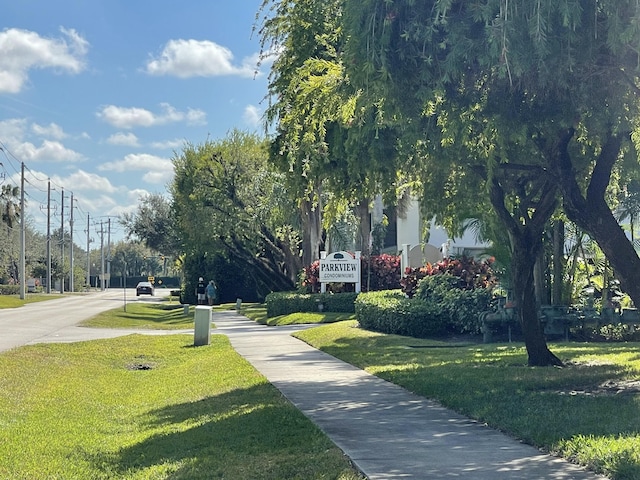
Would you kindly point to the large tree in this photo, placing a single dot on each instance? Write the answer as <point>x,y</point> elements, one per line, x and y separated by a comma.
<point>152,223</point>
<point>233,216</point>
<point>533,96</point>
<point>312,108</point>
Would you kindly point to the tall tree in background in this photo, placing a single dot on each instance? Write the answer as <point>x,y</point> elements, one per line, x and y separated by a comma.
<point>10,204</point>
<point>152,224</point>
<point>232,214</point>
<point>298,33</point>
<point>312,106</point>
<point>538,90</point>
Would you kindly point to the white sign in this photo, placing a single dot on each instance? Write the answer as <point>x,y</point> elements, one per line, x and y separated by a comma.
<point>340,267</point>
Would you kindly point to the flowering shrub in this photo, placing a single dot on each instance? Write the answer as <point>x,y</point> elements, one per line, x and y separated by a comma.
<point>385,275</point>
<point>469,274</point>
<point>310,278</point>
<point>385,272</point>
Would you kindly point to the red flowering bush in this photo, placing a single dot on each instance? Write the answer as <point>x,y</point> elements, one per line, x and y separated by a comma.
<point>469,273</point>
<point>385,272</point>
<point>310,278</point>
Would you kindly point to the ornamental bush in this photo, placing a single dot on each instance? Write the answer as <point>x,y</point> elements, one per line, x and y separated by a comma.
<point>284,303</point>
<point>460,307</point>
<point>9,289</point>
<point>392,312</point>
<point>469,273</point>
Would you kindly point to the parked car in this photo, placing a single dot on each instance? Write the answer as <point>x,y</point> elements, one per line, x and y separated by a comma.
<point>144,288</point>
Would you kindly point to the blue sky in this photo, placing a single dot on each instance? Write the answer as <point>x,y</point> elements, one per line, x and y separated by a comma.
<point>98,95</point>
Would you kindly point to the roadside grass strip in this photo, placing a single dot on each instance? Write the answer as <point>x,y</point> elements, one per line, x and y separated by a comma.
<point>163,316</point>
<point>14,301</point>
<point>152,407</point>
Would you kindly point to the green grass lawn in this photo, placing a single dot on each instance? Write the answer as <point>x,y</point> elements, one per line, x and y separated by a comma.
<point>258,313</point>
<point>91,410</point>
<point>588,412</point>
<point>14,301</point>
<point>163,316</point>
<point>152,407</point>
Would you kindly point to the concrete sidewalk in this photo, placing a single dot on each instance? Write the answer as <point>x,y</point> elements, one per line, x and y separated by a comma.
<point>388,432</point>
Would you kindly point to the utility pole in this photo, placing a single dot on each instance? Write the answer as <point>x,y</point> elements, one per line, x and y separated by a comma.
<point>62,244</point>
<point>88,259</point>
<point>71,246</point>
<point>102,275</point>
<point>49,235</point>
<point>21,274</point>
<point>108,252</point>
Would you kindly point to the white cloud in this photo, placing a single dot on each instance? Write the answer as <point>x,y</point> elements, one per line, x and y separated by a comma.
<point>12,133</point>
<point>252,115</point>
<point>81,181</point>
<point>22,51</point>
<point>12,130</point>
<point>52,131</point>
<point>48,151</point>
<point>196,58</point>
<point>158,170</point>
<point>168,144</point>
<point>123,139</point>
<point>130,117</point>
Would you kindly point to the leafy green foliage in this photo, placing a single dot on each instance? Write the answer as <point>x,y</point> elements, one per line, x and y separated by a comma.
<point>390,311</point>
<point>153,224</point>
<point>229,207</point>
<point>468,272</point>
<point>461,306</point>
<point>283,303</point>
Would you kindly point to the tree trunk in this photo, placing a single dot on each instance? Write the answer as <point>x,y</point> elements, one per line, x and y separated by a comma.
<point>523,259</point>
<point>311,232</point>
<point>540,279</point>
<point>558,263</point>
<point>591,213</point>
<point>525,236</point>
<point>364,227</point>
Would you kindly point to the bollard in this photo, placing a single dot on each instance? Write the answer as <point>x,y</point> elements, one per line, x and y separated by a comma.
<point>238,304</point>
<point>185,312</point>
<point>202,326</point>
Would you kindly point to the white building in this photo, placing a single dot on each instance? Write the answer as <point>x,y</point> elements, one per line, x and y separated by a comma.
<point>406,227</point>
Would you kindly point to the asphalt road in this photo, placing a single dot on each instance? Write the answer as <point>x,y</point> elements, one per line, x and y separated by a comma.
<point>56,320</point>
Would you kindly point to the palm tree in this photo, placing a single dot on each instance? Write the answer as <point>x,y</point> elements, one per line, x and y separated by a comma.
<point>10,204</point>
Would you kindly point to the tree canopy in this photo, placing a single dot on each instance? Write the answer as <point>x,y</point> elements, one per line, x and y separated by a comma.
<point>527,98</point>
<point>234,217</point>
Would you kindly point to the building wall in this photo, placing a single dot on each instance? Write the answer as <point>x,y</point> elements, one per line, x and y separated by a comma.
<point>410,227</point>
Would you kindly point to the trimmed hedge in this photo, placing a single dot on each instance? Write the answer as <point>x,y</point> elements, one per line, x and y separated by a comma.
<point>9,289</point>
<point>284,303</point>
<point>460,307</point>
<point>391,312</point>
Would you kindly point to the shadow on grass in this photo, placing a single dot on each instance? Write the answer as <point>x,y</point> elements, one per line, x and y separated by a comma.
<point>234,435</point>
<point>157,314</point>
<point>493,384</point>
